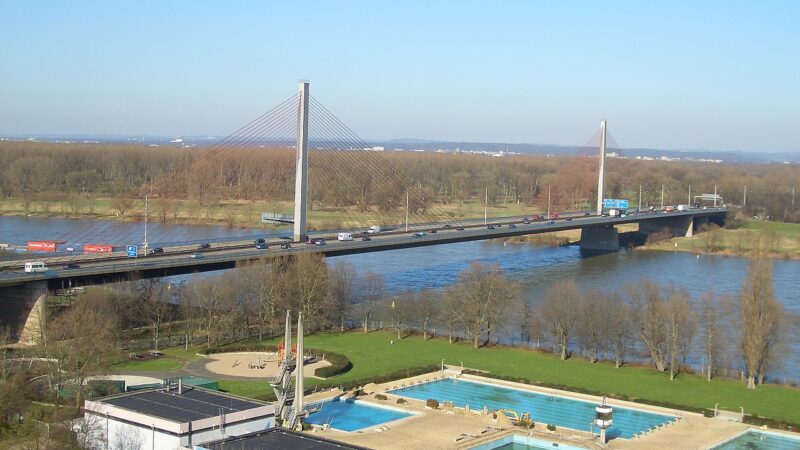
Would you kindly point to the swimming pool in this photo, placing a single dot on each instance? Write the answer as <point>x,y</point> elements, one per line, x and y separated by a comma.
<point>760,440</point>
<point>517,442</point>
<point>352,415</point>
<point>543,408</point>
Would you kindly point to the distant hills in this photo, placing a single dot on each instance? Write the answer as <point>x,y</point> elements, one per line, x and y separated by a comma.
<point>430,145</point>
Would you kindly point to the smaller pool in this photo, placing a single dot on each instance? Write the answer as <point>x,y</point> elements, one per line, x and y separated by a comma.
<point>352,415</point>
<point>517,442</point>
<point>760,440</point>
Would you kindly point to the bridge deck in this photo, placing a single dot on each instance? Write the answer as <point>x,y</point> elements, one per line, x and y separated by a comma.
<point>116,267</point>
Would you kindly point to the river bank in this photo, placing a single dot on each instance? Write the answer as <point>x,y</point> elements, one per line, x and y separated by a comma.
<point>779,240</point>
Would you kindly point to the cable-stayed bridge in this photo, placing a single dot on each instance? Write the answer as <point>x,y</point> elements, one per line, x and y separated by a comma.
<point>330,165</point>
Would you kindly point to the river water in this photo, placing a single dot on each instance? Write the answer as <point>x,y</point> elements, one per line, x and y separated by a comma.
<point>535,267</point>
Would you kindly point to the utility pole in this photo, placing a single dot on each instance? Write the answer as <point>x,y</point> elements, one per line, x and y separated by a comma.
<point>601,178</point>
<point>640,197</point>
<point>145,223</point>
<point>486,205</point>
<point>301,177</point>
<point>744,199</point>
<point>406,210</point>
<point>548,201</point>
<point>690,196</point>
<point>792,196</point>
<point>662,196</point>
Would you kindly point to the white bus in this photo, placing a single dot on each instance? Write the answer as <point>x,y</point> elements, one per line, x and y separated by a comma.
<point>36,266</point>
<point>345,237</point>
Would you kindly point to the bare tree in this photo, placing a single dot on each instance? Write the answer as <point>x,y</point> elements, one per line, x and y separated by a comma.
<point>308,288</point>
<point>559,312</point>
<point>616,326</point>
<point>681,327</point>
<point>156,305</point>
<point>760,317</point>
<point>427,309</point>
<point>449,312</point>
<point>588,331</point>
<point>712,316</point>
<point>484,299</point>
<point>370,290</point>
<point>651,318</point>
<point>342,286</point>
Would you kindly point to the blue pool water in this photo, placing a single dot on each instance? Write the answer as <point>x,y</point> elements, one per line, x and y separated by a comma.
<point>517,442</point>
<point>349,415</point>
<point>544,409</point>
<point>760,440</point>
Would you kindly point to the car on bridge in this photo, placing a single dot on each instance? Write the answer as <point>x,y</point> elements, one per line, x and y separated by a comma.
<point>460,228</point>
<point>366,238</point>
<point>511,225</point>
<point>204,246</point>
<point>526,221</point>
<point>431,230</point>
<point>320,242</point>
<point>420,234</point>
<point>551,222</point>
<point>69,266</point>
<point>261,244</point>
<point>156,251</point>
<point>286,246</point>
<point>196,255</point>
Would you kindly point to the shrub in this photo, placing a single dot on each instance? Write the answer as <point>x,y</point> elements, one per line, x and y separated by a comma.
<point>432,403</point>
<point>551,427</point>
<point>339,365</point>
<point>401,401</point>
<point>381,397</point>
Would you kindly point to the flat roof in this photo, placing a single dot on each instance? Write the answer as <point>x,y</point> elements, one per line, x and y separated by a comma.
<point>278,438</point>
<point>192,404</point>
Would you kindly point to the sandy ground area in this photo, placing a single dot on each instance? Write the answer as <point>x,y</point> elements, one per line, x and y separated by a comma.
<point>252,364</point>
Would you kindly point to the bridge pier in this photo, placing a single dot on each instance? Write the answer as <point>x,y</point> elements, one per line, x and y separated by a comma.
<point>599,239</point>
<point>677,226</point>
<point>22,311</point>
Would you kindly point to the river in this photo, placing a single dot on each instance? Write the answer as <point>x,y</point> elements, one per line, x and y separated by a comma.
<point>535,267</point>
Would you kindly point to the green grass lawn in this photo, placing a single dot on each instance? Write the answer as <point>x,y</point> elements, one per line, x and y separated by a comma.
<point>783,229</point>
<point>174,358</point>
<point>373,354</point>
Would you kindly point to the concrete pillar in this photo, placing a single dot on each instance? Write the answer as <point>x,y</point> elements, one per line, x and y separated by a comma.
<point>301,179</point>
<point>23,311</point>
<point>599,239</point>
<point>680,226</point>
<point>601,177</point>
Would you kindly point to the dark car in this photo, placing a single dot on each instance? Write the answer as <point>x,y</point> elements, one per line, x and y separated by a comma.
<point>71,266</point>
<point>204,246</point>
<point>447,226</point>
<point>286,246</point>
<point>551,222</point>
<point>490,227</point>
<point>261,244</point>
<point>320,242</point>
<point>526,221</point>
<point>568,219</point>
<point>420,234</point>
<point>366,238</point>
<point>460,228</point>
<point>431,231</point>
<point>586,214</point>
<point>156,251</point>
<point>511,225</point>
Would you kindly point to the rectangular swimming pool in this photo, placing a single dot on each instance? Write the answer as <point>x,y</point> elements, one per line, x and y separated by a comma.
<point>543,408</point>
<point>517,442</point>
<point>352,415</point>
<point>760,440</point>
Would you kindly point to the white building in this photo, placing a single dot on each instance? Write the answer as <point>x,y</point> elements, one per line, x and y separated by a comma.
<point>176,418</point>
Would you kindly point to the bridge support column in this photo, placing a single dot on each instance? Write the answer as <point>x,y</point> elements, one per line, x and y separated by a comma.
<point>23,311</point>
<point>680,226</point>
<point>301,178</point>
<point>599,239</point>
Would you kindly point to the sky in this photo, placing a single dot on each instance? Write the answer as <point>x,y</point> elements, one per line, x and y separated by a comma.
<point>720,75</point>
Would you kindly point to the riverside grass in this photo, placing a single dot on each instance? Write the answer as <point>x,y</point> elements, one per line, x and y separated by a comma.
<point>378,353</point>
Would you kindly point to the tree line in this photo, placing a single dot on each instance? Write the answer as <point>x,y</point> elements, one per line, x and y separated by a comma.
<point>367,180</point>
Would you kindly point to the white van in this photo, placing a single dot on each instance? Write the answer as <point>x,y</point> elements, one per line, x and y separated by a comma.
<point>375,229</point>
<point>36,266</point>
<point>345,237</point>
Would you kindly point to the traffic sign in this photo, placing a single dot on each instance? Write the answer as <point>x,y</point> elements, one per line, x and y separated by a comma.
<point>132,250</point>
<point>615,203</point>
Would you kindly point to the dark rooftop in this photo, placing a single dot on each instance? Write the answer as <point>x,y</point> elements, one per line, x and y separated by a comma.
<point>192,404</point>
<point>277,438</point>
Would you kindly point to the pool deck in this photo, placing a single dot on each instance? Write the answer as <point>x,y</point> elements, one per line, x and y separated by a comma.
<point>455,428</point>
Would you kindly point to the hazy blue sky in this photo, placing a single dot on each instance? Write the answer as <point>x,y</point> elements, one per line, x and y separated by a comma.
<point>672,74</point>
